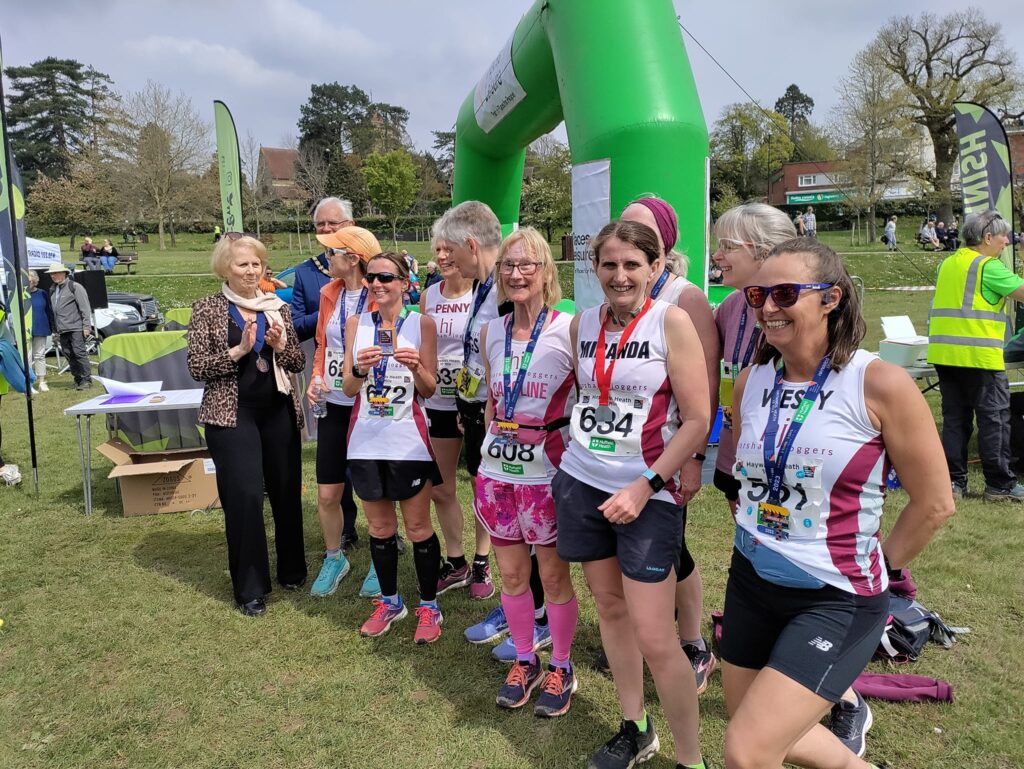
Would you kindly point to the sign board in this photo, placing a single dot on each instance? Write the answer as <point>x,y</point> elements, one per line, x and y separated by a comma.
<point>591,210</point>
<point>799,198</point>
<point>498,91</point>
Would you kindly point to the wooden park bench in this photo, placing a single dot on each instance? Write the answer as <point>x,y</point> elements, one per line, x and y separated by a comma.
<point>127,259</point>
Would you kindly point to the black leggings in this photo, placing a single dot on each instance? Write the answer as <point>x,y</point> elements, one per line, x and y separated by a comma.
<point>261,451</point>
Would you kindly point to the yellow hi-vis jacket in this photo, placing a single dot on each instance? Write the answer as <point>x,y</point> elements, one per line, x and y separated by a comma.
<point>964,328</point>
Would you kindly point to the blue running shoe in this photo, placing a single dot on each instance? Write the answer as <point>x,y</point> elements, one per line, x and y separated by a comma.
<point>331,574</point>
<point>506,650</point>
<point>371,586</point>
<point>493,627</point>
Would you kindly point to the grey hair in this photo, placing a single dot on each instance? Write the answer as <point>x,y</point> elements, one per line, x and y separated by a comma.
<point>471,219</point>
<point>976,225</point>
<point>32,274</point>
<point>431,263</point>
<point>346,207</point>
<point>758,223</point>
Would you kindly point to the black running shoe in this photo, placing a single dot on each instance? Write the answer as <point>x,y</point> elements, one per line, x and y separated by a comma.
<point>627,748</point>
<point>850,723</point>
<point>703,662</point>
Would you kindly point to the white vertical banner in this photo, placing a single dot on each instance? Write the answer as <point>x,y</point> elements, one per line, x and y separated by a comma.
<point>591,210</point>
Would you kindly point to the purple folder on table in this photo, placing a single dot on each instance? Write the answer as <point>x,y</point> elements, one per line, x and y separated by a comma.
<point>118,400</point>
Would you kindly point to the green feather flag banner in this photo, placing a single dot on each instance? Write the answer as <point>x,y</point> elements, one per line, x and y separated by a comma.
<point>230,165</point>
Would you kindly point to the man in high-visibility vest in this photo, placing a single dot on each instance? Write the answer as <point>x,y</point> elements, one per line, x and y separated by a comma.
<point>968,326</point>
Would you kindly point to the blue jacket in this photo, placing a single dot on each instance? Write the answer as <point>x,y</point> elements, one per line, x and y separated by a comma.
<point>306,296</point>
<point>41,313</point>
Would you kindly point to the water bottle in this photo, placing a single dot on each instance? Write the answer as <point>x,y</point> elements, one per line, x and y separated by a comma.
<point>319,407</point>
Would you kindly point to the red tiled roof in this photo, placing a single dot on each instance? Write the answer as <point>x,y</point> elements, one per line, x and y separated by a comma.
<point>280,162</point>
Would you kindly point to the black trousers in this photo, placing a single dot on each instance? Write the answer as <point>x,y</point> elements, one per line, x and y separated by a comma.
<point>72,347</point>
<point>261,451</point>
<point>969,394</point>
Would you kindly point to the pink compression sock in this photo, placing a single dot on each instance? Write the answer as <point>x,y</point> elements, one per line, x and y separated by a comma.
<point>519,612</point>
<point>562,618</point>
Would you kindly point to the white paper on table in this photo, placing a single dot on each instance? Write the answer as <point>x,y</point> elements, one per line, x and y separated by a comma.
<point>117,388</point>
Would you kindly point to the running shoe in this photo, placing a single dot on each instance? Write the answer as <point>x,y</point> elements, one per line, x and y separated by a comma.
<point>1013,494</point>
<point>703,662</point>
<point>401,544</point>
<point>371,585</point>
<point>627,748</point>
<point>428,624</point>
<point>10,474</point>
<point>556,693</point>
<point>506,650</point>
<point>332,572</point>
<point>959,492</point>
<point>601,663</point>
<point>850,723</point>
<point>451,577</point>
<point>43,387</point>
<point>384,615</point>
<point>480,587</point>
<point>349,541</point>
<point>522,679</point>
<point>493,627</point>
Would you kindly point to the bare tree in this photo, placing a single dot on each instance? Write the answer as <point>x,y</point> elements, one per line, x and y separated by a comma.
<point>258,192</point>
<point>877,134</point>
<point>172,144</point>
<point>311,171</point>
<point>942,60</point>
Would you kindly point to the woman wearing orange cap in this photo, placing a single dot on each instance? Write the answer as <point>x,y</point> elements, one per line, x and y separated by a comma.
<point>348,250</point>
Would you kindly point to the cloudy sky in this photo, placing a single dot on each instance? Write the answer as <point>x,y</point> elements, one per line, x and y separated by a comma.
<point>260,56</point>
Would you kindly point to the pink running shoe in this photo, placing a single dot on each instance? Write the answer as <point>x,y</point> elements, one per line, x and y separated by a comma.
<point>452,578</point>
<point>428,624</point>
<point>384,615</point>
<point>480,586</point>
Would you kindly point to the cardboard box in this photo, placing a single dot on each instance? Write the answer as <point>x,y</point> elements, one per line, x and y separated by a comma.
<point>902,344</point>
<point>162,482</point>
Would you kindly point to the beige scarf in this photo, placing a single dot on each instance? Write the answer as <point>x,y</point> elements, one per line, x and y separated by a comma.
<point>269,304</point>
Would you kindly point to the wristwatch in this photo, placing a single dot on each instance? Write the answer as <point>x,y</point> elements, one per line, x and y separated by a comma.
<point>699,457</point>
<point>355,372</point>
<point>656,482</point>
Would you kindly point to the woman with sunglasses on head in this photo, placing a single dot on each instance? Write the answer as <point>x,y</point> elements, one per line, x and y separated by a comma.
<point>448,304</point>
<point>529,369</point>
<point>672,287</point>
<point>817,422</point>
<point>390,367</point>
<point>348,251</point>
<point>242,345</point>
<point>642,413</point>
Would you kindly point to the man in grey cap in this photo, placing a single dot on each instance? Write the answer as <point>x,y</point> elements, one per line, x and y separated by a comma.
<point>72,323</point>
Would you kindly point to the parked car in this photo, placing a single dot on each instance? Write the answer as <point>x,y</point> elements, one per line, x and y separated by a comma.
<point>287,277</point>
<point>117,318</point>
<point>145,304</point>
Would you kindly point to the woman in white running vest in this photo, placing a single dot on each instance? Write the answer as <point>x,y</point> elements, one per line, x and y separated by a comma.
<point>348,250</point>
<point>390,367</point>
<point>532,386</point>
<point>643,411</point>
<point>672,286</point>
<point>448,303</point>
<point>817,422</point>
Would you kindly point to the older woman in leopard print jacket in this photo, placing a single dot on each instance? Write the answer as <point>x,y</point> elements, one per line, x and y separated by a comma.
<point>242,344</point>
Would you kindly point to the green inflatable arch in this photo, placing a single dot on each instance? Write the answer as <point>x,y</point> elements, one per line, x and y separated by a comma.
<point>619,76</point>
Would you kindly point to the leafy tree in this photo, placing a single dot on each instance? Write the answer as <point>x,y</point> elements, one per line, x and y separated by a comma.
<point>796,107</point>
<point>49,107</point>
<point>78,203</point>
<point>345,179</point>
<point>444,151</point>
<point>814,143</point>
<point>391,184</point>
<point>547,191</point>
<point>747,144</point>
<point>336,116</point>
<point>389,123</point>
<point>940,60</point>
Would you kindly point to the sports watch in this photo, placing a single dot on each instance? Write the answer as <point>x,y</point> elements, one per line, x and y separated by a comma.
<point>656,482</point>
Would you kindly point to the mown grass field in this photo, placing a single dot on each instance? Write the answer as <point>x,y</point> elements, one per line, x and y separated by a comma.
<point>121,648</point>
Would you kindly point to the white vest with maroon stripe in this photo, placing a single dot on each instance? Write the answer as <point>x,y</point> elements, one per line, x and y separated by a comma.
<point>834,483</point>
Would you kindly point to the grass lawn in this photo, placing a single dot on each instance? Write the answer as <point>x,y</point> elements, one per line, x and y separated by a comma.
<point>121,648</point>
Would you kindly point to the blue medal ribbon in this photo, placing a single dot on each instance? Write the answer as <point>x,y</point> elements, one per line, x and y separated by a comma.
<point>511,392</point>
<point>480,295</point>
<point>754,336</point>
<point>660,283</point>
<point>261,325</point>
<point>343,313</point>
<point>775,461</point>
<point>381,368</point>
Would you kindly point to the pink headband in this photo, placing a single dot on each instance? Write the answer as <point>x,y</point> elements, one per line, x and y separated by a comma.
<point>665,216</point>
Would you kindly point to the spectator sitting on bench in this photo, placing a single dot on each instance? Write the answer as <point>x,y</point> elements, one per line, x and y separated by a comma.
<point>928,237</point>
<point>90,258</point>
<point>108,256</point>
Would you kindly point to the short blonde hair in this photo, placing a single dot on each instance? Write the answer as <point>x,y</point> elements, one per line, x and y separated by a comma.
<point>536,246</point>
<point>224,252</point>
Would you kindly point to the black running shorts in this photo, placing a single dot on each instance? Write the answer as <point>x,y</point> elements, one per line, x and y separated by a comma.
<point>647,548</point>
<point>332,444</point>
<point>376,479</point>
<point>443,424</point>
<point>822,638</point>
<point>472,416</point>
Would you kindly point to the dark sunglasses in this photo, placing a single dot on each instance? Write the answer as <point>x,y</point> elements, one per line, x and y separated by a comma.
<point>382,277</point>
<point>996,217</point>
<point>238,235</point>
<point>783,294</point>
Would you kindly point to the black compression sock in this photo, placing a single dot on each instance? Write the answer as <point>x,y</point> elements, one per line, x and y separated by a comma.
<point>384,553</point>
<point>457,561</point>
<point>427,557</point>
<point>535,584</point>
